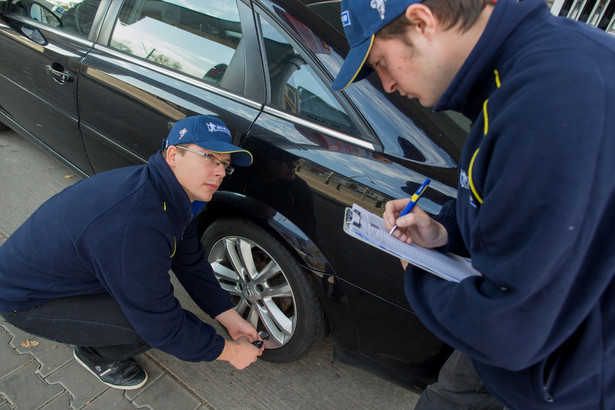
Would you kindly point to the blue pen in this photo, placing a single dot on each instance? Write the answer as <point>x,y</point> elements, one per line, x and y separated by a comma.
<point>415,198</point>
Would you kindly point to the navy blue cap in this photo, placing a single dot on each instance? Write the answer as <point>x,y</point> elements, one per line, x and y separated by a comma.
<point>362,19</point>
<point>209,133</point>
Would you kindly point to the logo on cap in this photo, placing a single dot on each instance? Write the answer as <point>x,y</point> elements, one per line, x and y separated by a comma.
<point>182,133</point>
<point>216,127</point>
<point>378,5</point>
<point>345,18</point>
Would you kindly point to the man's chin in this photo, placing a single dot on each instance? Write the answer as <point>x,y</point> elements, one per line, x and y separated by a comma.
<point>205,197</point>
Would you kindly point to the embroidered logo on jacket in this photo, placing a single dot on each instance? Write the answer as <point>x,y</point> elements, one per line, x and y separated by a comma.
<point>464,183</point>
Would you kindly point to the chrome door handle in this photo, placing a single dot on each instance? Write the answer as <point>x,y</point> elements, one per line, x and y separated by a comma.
<point>58,74</point>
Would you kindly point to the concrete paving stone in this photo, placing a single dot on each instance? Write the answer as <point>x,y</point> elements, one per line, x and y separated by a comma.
<point>50,354</point>
<point>22,162</point>
<point>166,393</point>
<point>19,336</point>
<point>82,385</point>
<point>11,361</point>
<point>62,402</point>
<point>24,389</point>
<point>112,399</point>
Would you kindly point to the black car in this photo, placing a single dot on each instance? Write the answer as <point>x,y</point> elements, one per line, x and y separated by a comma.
<point>99,82</point>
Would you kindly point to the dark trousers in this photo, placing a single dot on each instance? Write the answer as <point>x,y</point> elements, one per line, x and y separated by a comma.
<point>458,387</point>
<point>94,323</point>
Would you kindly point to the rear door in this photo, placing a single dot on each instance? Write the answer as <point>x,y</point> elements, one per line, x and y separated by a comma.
<point>42,44</point>
<point>158,61</point>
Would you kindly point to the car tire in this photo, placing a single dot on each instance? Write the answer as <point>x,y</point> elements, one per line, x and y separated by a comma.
<point>268,286</point>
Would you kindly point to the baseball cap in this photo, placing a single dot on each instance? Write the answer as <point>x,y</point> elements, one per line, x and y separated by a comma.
<point>362,19</point>
<point>209,133</point>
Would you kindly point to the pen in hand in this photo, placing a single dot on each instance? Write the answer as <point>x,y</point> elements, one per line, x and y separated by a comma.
<point>415,198</point>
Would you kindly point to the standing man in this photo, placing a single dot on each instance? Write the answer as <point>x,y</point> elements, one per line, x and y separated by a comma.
<point>536,200</point>
<point>91,266</point>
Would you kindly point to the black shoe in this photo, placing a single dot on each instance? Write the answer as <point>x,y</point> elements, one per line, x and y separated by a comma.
<point>123,374</point>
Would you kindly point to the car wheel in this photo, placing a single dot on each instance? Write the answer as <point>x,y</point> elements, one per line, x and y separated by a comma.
<point>267,285</point>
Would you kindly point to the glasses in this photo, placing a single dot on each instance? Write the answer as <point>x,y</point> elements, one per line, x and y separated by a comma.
<point>212,160</point>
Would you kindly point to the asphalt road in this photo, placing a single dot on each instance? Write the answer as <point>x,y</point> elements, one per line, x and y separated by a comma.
<point>28,176</point>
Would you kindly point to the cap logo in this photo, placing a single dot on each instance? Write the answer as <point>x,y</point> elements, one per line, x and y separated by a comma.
<point>378,5</point>
<point>345,18</point>
<point>216,127</point>
<point>182,132</point>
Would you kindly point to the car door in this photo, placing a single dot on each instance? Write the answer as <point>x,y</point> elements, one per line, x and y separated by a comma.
<point>344,148</point>
<point>42,44</point>
<point>159,61</point>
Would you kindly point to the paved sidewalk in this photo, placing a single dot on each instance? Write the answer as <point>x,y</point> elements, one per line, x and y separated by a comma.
<point>46,376</point>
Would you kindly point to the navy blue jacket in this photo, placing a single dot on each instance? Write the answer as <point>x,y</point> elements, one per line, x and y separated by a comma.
<point>120,232</point>
<point>535,211</point>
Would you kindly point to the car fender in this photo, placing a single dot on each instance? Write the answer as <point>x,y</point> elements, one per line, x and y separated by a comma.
<point>231,203</point>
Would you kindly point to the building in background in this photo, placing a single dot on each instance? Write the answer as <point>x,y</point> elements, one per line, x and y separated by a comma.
<point>597,13</point>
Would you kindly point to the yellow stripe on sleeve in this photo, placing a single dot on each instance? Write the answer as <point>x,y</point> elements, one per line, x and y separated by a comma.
<point>472,187</point>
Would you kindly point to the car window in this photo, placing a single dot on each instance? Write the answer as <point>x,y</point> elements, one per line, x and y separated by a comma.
<point>75,16</point>
<point>201,38</point>
<point>297,89</point>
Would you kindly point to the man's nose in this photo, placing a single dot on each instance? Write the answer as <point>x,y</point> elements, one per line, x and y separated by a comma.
<point>389,85</point>
<point>220,170</point>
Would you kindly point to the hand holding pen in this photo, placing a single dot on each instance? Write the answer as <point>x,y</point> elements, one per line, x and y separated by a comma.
<point>415,198</point>
<point>419,228</point>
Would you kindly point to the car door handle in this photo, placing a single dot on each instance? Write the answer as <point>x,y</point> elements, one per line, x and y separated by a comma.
<point>58,74</point>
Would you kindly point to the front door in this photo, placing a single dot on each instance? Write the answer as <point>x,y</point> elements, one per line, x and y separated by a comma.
<point>42,44</point>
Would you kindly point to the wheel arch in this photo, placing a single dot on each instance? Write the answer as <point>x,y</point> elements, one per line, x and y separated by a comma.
<point>225,203</point>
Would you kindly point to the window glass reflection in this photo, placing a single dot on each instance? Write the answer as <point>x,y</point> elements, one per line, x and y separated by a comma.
<point>72,16</point>
<point>198,38</point>
<point>296,88</point>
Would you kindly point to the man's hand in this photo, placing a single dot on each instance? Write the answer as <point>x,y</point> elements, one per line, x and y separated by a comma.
<point>240,353</point>
<point>416,227</point>
<point>237,326</point>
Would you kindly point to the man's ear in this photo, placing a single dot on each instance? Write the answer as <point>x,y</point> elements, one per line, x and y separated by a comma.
<point>422,18</point>
<point>171,155</point>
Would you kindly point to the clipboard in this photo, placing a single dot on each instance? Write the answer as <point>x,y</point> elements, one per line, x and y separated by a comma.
<point>369,228</point>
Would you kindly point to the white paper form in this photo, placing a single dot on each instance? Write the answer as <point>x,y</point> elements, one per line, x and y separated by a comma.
<point>369,228</point>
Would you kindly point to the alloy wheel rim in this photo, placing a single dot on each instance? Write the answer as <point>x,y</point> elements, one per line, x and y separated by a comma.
<point>258,287</point>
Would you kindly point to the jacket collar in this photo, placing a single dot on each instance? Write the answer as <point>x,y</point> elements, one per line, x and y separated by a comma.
<point>473,83</point>
<point>175,200</point>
